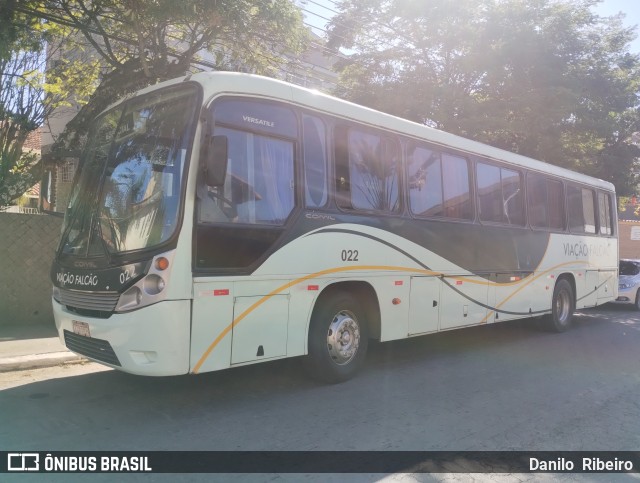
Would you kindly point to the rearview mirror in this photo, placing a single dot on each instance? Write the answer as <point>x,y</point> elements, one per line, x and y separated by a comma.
<point>217,161</point>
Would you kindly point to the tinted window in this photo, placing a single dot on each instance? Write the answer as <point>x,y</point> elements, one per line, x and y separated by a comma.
<point>489,193</point>
<point>513,196</point>
<point>499,194</point>
<point>555,200</point>
<point>581,204</point>
<point>425,182</point>
<point>455,180</point>
<point>604,205</point>
<point>315,162</point>
<point>438,184</point>
<point>259,186</point>
<point>373,172</point>
<point>629,268</point>
<point>546,202</point>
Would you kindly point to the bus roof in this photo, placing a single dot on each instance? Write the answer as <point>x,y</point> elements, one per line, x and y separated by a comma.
<point>235,83</point>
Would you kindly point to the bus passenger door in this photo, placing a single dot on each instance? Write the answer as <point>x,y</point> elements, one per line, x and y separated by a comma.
<point>260,327</point>
<point>424,305</point>
<point>463,302</point>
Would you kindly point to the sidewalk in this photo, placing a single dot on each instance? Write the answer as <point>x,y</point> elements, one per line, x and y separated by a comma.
<point>31,347</point>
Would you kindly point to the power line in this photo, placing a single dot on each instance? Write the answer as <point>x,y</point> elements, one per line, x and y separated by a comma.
<point>359,26</point>
<point>174,53</point>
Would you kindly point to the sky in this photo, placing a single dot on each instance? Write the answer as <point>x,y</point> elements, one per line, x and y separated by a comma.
<point>631,9</point>
<point>317,9</point>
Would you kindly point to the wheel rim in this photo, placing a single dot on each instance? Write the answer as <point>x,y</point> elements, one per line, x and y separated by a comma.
<point>343,337</point>
<point>563,306</point>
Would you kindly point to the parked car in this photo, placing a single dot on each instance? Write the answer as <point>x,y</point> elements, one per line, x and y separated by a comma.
<point>629,283</point>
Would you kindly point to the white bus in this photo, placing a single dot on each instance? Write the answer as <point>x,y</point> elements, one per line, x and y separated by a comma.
<point>225,219</point>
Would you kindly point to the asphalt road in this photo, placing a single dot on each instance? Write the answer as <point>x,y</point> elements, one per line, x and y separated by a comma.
<point>505,386</point>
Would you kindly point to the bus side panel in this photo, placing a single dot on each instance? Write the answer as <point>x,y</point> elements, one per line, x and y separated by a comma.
<point>394,300</point>
<point>260,328</point>
<point>607,286</point>
<point>463,301</point>
<point>424,312</point>
<point>303,297</point>
<point>587,297</point>
<point>212,316</point>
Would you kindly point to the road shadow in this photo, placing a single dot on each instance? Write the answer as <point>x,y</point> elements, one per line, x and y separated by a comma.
<point>114,410</point>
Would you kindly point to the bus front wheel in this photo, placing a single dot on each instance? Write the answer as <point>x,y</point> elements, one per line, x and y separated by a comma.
<point>562,307</point>
<point>338,338</point>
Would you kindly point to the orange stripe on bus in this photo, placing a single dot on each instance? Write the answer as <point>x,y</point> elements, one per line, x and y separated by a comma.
<point>238,319</point>
<point>329,271</point>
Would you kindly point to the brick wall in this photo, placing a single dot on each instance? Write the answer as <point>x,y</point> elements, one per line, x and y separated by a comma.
<point>628,248</point>
<point>27,245</point>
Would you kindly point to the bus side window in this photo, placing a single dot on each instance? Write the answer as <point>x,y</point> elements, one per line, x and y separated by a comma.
<point>315,162</point>
<point>555,203</point>
<point>455,184</point>
<point>537,201</point>
<point>341,154</point>
<point>373,172</point>
<point>490,199</point>
<point>425,182</point>
<point>512,197</point>
<point>604,205</point>
<point>545,198</point>
<point>581,202</point>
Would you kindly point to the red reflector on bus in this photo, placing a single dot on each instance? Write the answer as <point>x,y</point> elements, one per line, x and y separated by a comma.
<point>313,287</point>
<point>399,282</point>
<point>224,291</point>
<point>458,282</point>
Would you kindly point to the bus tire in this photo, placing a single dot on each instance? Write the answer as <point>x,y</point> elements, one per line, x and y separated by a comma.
<point>637,304</point>
<point>562,307</point>
<point>338,338</point>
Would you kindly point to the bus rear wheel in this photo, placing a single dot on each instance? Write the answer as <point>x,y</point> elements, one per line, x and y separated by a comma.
<point>562,307</point>
<point>338,338</point>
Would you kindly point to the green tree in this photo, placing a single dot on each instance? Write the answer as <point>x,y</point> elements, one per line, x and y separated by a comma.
<point>28,97</point>
<point>545,78</point>
<point>141,42</point>
<point>7,27</point>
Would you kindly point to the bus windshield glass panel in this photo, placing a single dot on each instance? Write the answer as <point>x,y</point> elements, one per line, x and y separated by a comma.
<point>127,192</point>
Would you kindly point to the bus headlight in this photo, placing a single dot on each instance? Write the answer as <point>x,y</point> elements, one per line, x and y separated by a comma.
<point>56,293</point>
<point>150,289</point>
<point>153,284</point>
<point>129,300</point>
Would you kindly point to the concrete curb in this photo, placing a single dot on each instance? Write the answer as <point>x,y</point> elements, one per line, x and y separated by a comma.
<point>37,361</point>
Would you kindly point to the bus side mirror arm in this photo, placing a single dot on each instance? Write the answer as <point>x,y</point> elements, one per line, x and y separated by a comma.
<point>217,153</point>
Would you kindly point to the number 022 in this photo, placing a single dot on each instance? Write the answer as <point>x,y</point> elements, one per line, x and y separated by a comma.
<point>349,255</point>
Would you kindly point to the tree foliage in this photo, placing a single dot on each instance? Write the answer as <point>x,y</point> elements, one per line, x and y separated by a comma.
<point>140,42</point>
<point>28,97</point>
<point>545,78</point>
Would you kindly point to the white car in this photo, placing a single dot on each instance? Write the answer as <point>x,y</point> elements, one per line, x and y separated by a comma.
<point>629,283</point>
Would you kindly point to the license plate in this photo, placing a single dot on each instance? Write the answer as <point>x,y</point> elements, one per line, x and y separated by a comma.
<point>81,328</point>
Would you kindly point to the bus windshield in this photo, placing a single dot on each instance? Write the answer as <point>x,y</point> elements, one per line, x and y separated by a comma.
<point>127,192</point>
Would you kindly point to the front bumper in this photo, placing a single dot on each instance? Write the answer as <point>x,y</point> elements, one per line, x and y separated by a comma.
<point>152,341</point>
